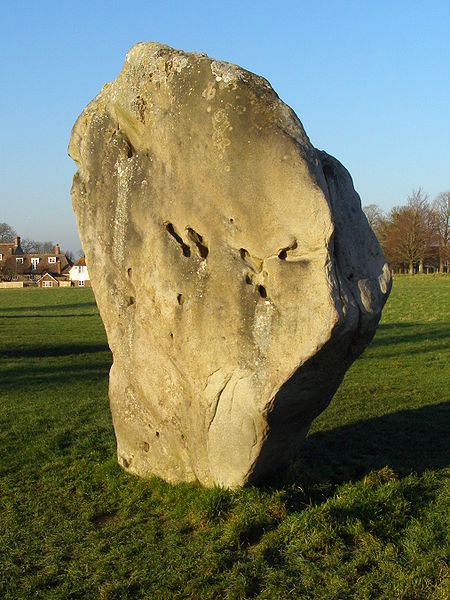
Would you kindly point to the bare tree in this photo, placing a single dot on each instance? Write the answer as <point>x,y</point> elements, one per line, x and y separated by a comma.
<point>38,247</point>
<point>423,231</point>
<point>441,216</point>
<point>7,233</point>
<point>375,216</point>
<point>69,255</point>
<point>408,233</point>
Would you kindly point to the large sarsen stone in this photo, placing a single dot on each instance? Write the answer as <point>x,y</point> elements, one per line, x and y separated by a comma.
<point>234,270</point>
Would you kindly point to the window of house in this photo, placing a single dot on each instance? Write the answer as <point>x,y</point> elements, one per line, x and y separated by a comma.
<point>47,284</point>
<point>81,283</point>
<point>52,259</point>
<point>1,256</point>
<point>34,263</point>
<point>19,261</point>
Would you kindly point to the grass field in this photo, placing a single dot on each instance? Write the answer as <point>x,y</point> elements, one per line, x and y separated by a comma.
<point>363,513</point>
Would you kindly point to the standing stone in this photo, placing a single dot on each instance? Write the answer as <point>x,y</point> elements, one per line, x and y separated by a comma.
<point>234,270</point>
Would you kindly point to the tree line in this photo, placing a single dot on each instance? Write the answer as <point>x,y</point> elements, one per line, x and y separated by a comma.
<point>414,237</point>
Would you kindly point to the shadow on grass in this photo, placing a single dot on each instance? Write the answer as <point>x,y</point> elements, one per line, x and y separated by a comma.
<point>29,379</point>
<point>49,307</point>
<point>389,334</point>
<point>408,441</point>
<point>53,351</point>
<point>92,367</point>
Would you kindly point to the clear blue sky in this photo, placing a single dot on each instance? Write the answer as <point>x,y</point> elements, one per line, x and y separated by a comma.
<point>368,79</point>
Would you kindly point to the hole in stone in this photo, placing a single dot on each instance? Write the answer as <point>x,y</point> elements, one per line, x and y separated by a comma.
<point>171,335</point>
<point>248,280</point>
<point>129,272</point>
<point>180,299</point>
<point>350,276</point>
<point>129,148</point>
<point>198,241</point>
<point>185,248</point>
<point>262,291</point>
<point>231,220</point>
<point>146,446</point>
<point>253,262</point>
<point>157,434</point>
<point>131,301</point>
<point>282,255</point>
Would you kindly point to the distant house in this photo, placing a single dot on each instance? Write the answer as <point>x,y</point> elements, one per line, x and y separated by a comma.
<point>33,268</point>
<point>79,275</point>
<point>9,248</point>
<point>49,281</point>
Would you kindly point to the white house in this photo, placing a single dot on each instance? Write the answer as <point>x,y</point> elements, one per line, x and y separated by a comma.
<point>79,275</point>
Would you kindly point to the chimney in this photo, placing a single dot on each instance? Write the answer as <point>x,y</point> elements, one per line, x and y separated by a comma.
<point>58,267</point>
<point>17,249</point>
<point>57,249</point>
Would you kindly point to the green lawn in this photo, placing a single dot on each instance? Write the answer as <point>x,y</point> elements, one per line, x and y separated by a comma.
<point>363,513</point>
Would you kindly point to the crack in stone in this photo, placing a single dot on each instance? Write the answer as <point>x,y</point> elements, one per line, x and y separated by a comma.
<point>218,397</point>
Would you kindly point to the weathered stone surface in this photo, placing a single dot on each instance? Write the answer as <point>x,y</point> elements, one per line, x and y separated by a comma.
<point>233,268</point>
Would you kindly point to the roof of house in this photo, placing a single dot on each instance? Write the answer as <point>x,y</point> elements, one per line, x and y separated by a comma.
<point>46,275</point>
<point>80,262</point>
<point>5,247</point>
<point>43,265</point>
